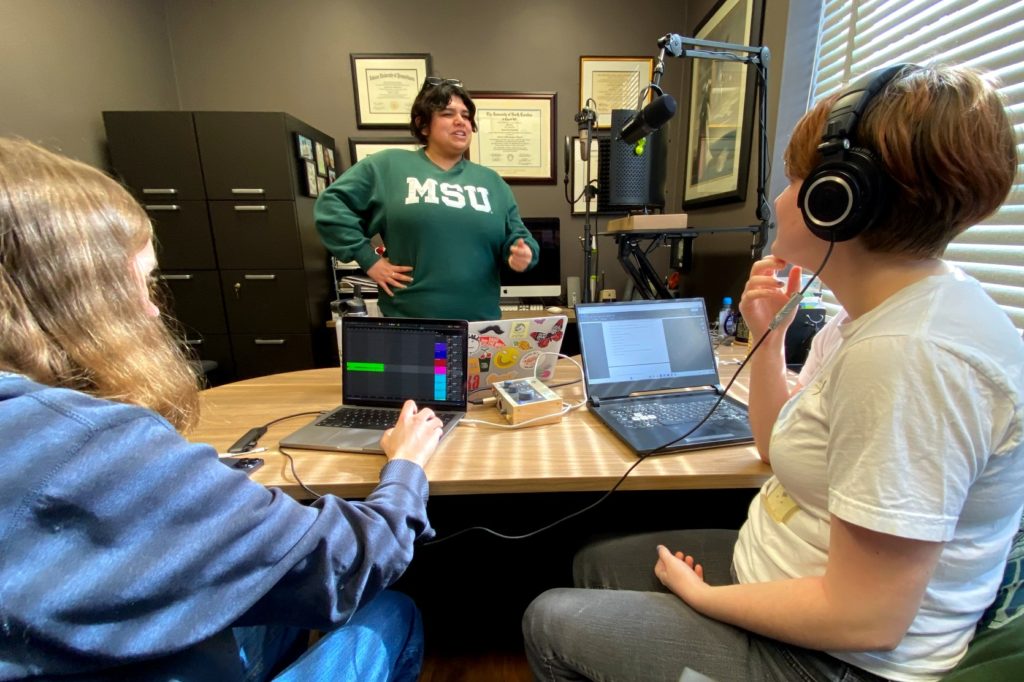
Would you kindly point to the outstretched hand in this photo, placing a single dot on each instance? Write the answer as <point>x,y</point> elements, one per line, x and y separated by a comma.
<point>679,573</point>
<point>386,274</point>
<point>414,437</point>
<point>764,296</point>
<point>519,255</point>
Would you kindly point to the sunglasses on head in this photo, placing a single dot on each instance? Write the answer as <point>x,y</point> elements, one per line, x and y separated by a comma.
<point>434,81</point>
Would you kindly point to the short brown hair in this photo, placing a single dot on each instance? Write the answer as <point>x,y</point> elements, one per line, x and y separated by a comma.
<point>70,308</point>
<point>432,99</point>
<point>943,137</point>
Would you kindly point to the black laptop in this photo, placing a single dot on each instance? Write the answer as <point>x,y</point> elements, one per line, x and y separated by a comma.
<point>651,376</point>
<point>386,361</point>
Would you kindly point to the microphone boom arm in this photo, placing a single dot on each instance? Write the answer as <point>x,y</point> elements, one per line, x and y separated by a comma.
<point>757,57</point>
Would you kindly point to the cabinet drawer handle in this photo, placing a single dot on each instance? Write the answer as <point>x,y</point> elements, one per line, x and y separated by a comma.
<point>193,342</point>
<point>247,190</point>
<point>176,278</point>
<point>261,277</point>
<point>251,208</point>
<point>159,190</point>
<point>162,207</point>
<point>269,342</point>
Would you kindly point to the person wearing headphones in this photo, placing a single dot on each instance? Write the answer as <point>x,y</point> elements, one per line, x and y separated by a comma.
<point>898,460</point>
<point>129,553</point>
<point>449,224</point>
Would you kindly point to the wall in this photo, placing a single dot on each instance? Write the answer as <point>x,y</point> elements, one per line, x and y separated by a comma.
<point>78,57</point>
<point>65,61</point>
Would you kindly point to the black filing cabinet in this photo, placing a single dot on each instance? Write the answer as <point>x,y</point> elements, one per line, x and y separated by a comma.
<point>247,276</point>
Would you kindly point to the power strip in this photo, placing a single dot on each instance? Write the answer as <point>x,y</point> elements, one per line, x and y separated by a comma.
<point>520,400</point>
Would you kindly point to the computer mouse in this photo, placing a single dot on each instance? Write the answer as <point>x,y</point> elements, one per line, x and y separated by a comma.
<point>554,309</point>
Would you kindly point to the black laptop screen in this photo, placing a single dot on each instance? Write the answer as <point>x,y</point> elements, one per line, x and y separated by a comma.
<point>386,361</point>
<point>638,346</point>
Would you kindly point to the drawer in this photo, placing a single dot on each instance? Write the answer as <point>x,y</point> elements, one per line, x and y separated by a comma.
<point>155,153</point>
<point>215,348</point>
<point>256,234</point>
<point>246,155</point>
<point>259,301</point>
<point>183,238</point>
<point>195,300</point>
<point>261,354</point>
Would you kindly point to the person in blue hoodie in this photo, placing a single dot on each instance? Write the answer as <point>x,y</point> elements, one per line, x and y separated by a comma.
<point>127,552</point>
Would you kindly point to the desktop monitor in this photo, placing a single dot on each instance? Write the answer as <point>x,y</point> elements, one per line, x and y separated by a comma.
<point>544,280</point>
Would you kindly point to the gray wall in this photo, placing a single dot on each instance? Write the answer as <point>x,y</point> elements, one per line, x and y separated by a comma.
<point>78,57</point>
<point>65,61</point>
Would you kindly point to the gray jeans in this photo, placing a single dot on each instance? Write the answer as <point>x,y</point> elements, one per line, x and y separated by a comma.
<point>620,623</point>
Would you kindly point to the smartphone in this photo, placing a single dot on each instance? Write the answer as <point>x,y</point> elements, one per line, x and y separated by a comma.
<point>246,464</point>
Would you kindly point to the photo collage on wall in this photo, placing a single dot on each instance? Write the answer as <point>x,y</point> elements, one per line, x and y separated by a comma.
<point>317,164</point>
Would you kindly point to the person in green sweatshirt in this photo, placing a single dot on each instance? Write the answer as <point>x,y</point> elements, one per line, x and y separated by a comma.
<point>448,224</point>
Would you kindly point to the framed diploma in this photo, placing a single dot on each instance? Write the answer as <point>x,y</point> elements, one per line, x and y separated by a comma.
<point>516,135</point>
<point>361,147</point>
<point>614,83</point>
<point>386,86</point>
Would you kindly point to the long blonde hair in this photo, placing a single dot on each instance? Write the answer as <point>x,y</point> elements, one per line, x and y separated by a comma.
<point>70,308</point>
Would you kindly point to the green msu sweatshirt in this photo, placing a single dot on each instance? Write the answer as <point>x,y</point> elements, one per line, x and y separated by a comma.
<point>453,227</point>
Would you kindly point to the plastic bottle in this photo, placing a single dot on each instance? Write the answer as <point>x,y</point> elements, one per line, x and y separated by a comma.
<point>727,318</point>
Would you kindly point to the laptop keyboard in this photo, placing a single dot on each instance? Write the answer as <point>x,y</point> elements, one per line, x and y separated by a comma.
<point>368,418</point>
<point>646,415</point>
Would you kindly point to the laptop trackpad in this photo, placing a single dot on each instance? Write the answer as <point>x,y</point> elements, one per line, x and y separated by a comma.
<point>357,440</point>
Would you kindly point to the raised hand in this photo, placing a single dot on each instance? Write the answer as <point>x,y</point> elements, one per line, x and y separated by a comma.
<point>764,296</point>
<point>386,274</point>
<point>519,255</point>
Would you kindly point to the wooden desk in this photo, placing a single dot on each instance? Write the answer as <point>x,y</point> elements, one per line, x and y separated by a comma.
<point>577,454</point>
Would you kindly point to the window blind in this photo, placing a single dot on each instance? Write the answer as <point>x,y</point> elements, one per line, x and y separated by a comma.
<point>858,36</point>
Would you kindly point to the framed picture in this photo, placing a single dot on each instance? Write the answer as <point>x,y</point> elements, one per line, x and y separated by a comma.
<point>516,135</point>
<point>304,146</point>
<point>385,86</point>
<point>321,163</point>
<point>361,147</point>
<point>329,159</point>
<point>614,83</point>
<point>311,190</point>
<point>321,184</point>
<point>331,176</point>
<point>722,109</point>
<point>579,175</point>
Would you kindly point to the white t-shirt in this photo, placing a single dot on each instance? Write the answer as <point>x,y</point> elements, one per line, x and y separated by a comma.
<point>912,426</point>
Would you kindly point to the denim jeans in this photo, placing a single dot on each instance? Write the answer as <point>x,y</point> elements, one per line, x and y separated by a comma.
<point>620,623</point>
<point>382,641</point>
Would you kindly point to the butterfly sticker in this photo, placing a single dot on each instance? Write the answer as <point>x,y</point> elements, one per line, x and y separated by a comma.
<point>544,338</point>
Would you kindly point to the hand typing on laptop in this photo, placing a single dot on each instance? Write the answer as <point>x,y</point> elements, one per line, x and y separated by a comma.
<point>414,437</point>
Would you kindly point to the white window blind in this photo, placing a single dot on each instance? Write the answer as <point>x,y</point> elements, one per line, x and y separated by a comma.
<point>859,36</point>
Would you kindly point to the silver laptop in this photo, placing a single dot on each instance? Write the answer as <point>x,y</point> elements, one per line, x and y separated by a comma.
<point>500,350</point>
<point>386,361</point>
<point>651,375</point>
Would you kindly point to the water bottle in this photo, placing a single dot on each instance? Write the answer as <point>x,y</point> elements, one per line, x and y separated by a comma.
<point>726,318</point>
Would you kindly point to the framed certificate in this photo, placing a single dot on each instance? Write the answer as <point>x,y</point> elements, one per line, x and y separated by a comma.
<point>516,135</point>
<point>361,147</point>
<point>614,83</point>
<point>385,87</point>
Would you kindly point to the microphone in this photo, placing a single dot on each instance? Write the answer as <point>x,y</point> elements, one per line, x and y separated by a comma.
<point>647,120</point>
<point>586,119</point>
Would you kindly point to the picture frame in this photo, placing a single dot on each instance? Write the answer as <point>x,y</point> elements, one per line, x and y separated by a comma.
<point>361,147</point>
<point>385,86</point>
<point>321,163</point>
<point>331,176</point>
<point>614,83</point>
<point>329,159</point>
<point>304,146</point>
<point>515,135</point>
<point>722,109</point>
<point>321,184</point>
<point>310,168</point>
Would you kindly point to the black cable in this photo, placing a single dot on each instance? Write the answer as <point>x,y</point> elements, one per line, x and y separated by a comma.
<point>291,416</point>
<point>291,462</point>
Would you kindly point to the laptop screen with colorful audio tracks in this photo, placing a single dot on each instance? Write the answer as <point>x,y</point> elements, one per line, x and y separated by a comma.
<point>387,360</point>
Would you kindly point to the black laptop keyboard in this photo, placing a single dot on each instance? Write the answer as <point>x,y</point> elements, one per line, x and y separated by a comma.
<point>669,413</point>
<point>368,418</point>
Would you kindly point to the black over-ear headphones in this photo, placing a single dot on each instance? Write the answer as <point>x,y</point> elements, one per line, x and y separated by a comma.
<point>844,194</point>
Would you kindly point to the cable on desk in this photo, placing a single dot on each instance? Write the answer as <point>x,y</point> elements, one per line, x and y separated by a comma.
<point>291,462</point>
